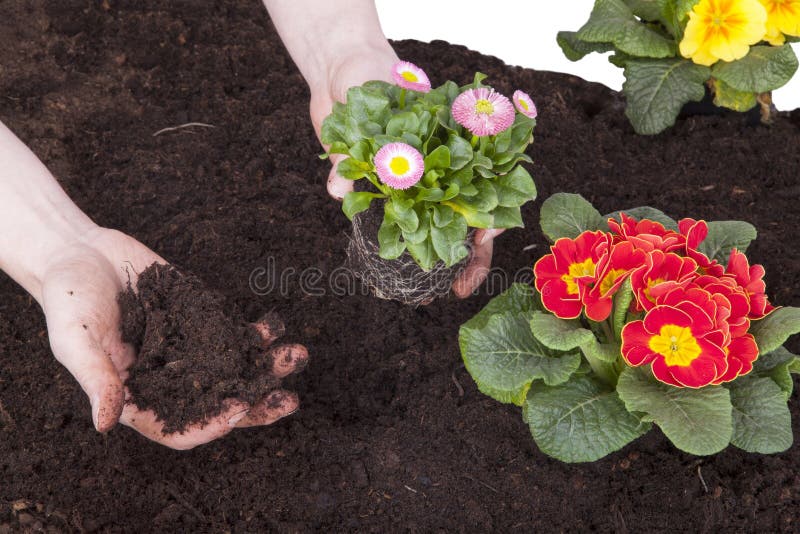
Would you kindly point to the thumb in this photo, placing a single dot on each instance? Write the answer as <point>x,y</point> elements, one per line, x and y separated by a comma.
<point>338,187</point>
<point>77,350</point>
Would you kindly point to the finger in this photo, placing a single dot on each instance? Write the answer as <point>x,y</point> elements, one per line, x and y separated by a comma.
<point>270,326</point>
<point>146,422</point>
<point>274,406</point>
<point>77,350</point>
<point>338,187</point>
<point>478,267</point>
<point>288,359</point>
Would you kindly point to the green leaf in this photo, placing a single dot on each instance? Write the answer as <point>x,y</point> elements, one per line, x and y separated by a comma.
<point>612,21</point>
<point>352,169</point>
<point>460,151</point>
<point>423,254</point>
<point>773,330</point>
<point>519,298</point>
<point>432,195</point>
<point>504,358</point>
<point>698,421</point>
<point>403,122</point>
<point>603,352</point>
<point>580,421</point>
<point>761,419</point>
<point>622,303</point>
<point>502,217</point>
<point>361,151</point>
<point>366,104</point>
<point>442,215</point>
<point>421,233</point>
<point>568,215</point>
<point>448,241</point>
<point>657,89</point>
<point>559,334</point>
<point>778,366</point>
<point>645,212</point>
<point>723,236</point>
<point>356,202</point>
<point>391,247</point>
<point>438,159</point>
<point>650,10</point>
<point>403,214</point>
<point>726,96</point>
<point>764,68</point>
<point>515,188</point>
<point>575,48</point>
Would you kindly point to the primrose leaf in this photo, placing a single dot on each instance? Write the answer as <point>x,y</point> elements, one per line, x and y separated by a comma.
<point>726,96</point>
<point>559,334</point>
<point>580,421</point>
<point>604,352</point>
<point>460,151</point>
<point>645,212</point>
<point>650,10</point>
<point>448,241</point>
<point>773,330</point>
<point>391,247</point>
<point>698,421</point>
<point>576,49</point>
<point>723,236</point>
<point>778,366</point>
<point>764,68</point>
<point>761,419</point>
<point>657,89</point>
<point>504,358</point>
<point>438,159</point>
<point>515,188</point>
<point>519,298</point>
<point>622,302</point>
<point>568,215</point>
<point>612,21</point>
<point>356,202</point>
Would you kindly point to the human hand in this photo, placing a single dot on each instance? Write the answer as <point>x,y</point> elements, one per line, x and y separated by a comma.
<point>79,289</point>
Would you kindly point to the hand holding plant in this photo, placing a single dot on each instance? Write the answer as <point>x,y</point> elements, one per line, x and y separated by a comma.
<point>636,319</point>
<point>439,160</point>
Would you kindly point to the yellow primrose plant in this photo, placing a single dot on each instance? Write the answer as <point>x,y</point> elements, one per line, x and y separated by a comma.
<point>674,51</point>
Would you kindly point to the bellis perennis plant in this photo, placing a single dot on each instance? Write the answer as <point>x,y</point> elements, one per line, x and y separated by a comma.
<point>637,319</point>
<point>672,50</point>
<point>440,160</point>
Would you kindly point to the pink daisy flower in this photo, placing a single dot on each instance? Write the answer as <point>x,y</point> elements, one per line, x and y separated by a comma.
<point>524,104</point>
<point>399,165</point>
<point>409,76</point>
<point>483,111</point>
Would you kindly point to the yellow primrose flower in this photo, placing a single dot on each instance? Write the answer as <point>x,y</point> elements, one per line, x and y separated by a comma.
<point>723,29</point>
<point>783,18</point>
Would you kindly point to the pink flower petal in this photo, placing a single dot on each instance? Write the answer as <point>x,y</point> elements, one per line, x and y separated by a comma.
<point>399,165</point>
<point>524,104</point>
<point>483,111</point>
<point>409,76</point>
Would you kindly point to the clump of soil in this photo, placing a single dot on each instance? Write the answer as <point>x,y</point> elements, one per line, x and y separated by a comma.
<point>191,355</point>
<point>400,279</point>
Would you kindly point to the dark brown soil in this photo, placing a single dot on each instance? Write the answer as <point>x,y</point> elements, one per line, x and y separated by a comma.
<point>393,434</point>
<point>190,355</point>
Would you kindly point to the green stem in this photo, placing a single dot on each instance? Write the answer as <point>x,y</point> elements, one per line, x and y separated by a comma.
<point>402,98</point>
<point>474,141</point>
<point>605,371</point>
<point>608,331</point>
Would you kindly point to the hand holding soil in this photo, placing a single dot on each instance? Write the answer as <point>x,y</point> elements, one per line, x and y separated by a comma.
<point>79,298</point>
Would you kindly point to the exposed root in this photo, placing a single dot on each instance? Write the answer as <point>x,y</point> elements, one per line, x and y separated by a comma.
<point>401,279</point>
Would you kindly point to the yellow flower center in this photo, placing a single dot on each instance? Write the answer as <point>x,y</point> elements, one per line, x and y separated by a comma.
<point>577,270</point>
<point>608,281</point>
<point>399,165</point>
<point>484,106</point>
<point>409,76</point>
<point>523,105</point>
<point>651,283</point>
<point>676,344</point>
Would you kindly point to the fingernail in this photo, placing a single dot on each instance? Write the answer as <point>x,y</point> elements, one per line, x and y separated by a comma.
<point>488,235</point>
<point>94,400</point>
<point>236,418</point>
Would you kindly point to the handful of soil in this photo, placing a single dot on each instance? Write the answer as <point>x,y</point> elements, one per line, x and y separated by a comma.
<point>191,356</point>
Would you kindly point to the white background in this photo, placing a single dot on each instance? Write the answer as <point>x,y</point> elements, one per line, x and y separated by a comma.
<point>520,32</point>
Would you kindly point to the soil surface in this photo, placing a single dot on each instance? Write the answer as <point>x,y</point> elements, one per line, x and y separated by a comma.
<point>190,355</point>
<point>392,434</point>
